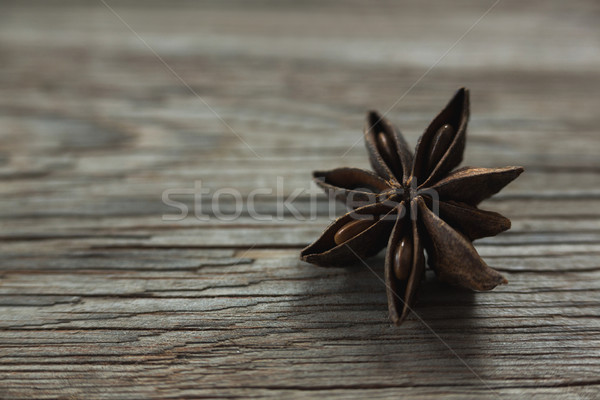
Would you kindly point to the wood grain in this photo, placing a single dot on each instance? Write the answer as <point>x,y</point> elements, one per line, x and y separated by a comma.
<point>103,297</point>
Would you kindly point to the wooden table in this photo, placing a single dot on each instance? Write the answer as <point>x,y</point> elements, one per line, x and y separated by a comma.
<point>106,107</point>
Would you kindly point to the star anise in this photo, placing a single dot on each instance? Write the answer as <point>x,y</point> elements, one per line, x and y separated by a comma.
<point>412,204</point>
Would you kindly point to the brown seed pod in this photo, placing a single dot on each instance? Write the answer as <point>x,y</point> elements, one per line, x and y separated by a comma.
<point>446,237</point>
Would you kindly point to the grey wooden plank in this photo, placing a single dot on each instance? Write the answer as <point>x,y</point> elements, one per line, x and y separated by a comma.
<point>102,298</point>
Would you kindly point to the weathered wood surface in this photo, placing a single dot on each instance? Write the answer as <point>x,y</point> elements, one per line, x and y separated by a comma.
<point>102,298</point>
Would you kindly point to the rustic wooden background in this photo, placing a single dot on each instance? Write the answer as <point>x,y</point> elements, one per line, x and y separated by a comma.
<point>101,297</point>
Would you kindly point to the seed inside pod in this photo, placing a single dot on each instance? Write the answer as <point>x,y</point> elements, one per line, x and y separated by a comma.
<point>385,147</point>
<point>363,188</point>
<point>352,229</point>
<point>439,144</point>
<point>403,259</point>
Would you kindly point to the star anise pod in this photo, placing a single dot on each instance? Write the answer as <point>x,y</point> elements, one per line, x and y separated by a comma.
<point>415,204</point>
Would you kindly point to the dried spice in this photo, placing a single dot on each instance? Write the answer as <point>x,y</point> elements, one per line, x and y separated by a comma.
<point>415,204</point>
